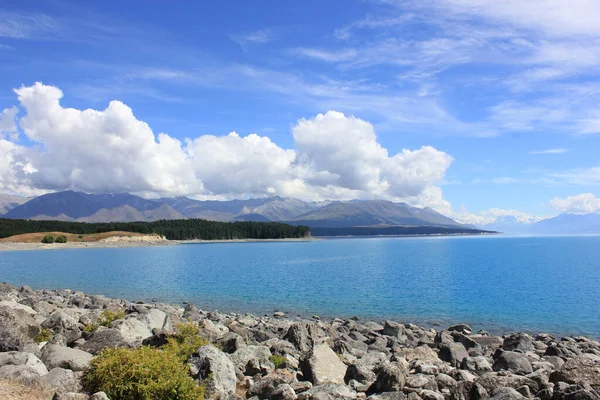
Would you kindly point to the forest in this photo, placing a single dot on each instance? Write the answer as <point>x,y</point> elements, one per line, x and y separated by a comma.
<point>184,229</point>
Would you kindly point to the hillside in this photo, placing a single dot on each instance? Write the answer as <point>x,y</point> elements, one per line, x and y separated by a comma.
<point>8,202</point>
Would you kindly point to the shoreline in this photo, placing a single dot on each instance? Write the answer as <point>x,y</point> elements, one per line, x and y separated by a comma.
<point>316,358</point>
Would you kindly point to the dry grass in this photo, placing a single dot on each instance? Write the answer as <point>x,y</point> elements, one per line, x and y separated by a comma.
<point>17,391</point>
<point>71,238</point>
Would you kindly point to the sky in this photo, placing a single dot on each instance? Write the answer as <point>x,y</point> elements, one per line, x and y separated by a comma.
<point>477,109</point>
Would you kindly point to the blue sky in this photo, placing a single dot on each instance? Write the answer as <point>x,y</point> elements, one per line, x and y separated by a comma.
<point>505,94</point>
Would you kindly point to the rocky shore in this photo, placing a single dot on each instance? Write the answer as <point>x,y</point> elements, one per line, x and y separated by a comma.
<point>273,357</point>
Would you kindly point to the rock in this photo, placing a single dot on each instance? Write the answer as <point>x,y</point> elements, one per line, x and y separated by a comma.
<point>300,387</point>
<point>420,381</point>
<point>391,376</point>
<point>278,314</point>
<point>17,306</point>
<point>391,396</point>
<point>22,358</point>
<point>20,373</point>
<point>453,353</point>
<point>492,380</point>
<point>17,328</point>
<point>61,322</point>
<point>252,360</point>
<point>133,331</point>
<point>156,319</point>
<point>557,362</point>
<point>283,392</point>
<point>491,342</point>
<point>103,338</point>
<point>517,363</point>
<point>303,335</point>
<point>231,342</point>
<point>506,393</point>
<point>518,341</point>
<point>211,330</point>
<point>62,380</point>
<point>99,396</point>
<point>479,365</point>
<point>391,328</point>
<point>478,392</point>
<point>56,356</point>
<point>211,364</point>
<point>581,369</point>
<point>462,328</point>
<point>430,395</point>
<point>322,366</point>
<point>71,396</point>
<point>327,392</point>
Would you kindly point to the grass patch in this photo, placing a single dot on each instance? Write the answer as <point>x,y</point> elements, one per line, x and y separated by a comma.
<point>278,361</point>
<point>45,335</point>
<point>109,316</point>
<point>141,374</point>
<point>91,327</point>
<point>185,341</point>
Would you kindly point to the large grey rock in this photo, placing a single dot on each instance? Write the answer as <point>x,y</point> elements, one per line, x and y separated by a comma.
<point>491,342</point>
<point>18,306</point>
<point>252,360</point>
<point>391,377</point>
<point>479,365</point>
<point>156,319</point>
<point>303,335</point>
<point>61,322</point>
<point>71,396</point>
<point>22,358</point>
<point>132,330</point>
<point>231,342</point>
<point>506,393</point>
<point>518,341</point>
<point>17,328</point>
<point>492,380</point>
<point>362,370</point>
<point>99,396</point>
<point>283,392</point>
<point>20,373</point>
<point>63,380</point>
<point>329,391</point>
<point>581,369</point>
<point>211,365</point>
<point>322,366</point>
<point>453,353</point>
<point>514,362</point>
<point>391,328</point>
<point>56,356</point>
<point>103,338</point>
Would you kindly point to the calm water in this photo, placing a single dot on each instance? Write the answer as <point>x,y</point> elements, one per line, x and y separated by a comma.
<point>497,283</point>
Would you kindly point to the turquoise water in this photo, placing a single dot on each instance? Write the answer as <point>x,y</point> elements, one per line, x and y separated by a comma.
<point>496,283</point>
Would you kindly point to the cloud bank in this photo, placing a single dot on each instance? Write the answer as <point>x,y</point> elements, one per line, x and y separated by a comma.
<point>98,151</point>
<point>581,204</point>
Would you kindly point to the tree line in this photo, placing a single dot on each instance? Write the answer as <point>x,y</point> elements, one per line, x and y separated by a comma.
<point>184,229</point>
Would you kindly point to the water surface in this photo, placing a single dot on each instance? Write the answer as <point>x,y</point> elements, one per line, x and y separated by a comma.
<point>496,283</point>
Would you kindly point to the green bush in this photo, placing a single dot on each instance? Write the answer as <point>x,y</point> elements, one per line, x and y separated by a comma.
<point>141,374</point>
<point>185,341</point>
<point>278,361</point>
<point>48,239</point>
<point>109,316</point>
<point>44,335</point>
<point>61,239</point>
<point>89,328</point>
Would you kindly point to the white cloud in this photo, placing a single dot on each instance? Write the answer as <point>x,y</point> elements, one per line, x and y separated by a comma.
<point>110,150</point>
<point>578,176</point>
<point>549,151</point>
<point>581,204</point>
<point>490,216</point>
<point>328,56</point>
<point>259,36</point>
<point>8,125</point>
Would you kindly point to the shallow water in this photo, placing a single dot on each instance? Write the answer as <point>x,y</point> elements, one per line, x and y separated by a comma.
<point>496,283</point>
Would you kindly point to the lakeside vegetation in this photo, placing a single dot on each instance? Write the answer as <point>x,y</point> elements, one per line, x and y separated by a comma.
<point>184,229</point>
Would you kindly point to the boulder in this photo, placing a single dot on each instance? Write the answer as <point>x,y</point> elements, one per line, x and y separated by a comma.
<point>103,338</point>
<point>453,353</point>
<point>99,396</point>
<point>391,328</point>
<point>62,380</point>
<point>517,363</point>
<point>252,360</point>
<point>391,377</point>
<point>492,380</point>
<point>581,369</point>
<point>478,365</point>
<point>133,331</point>
<point>506,393</point>
<point>22,358</point>
<point>156,319</point>
<point>211,365</point>
<point>322,366</point>
<point>303,335</point>
<point>231,342</point>
<point>518,341</point>
<point>57,356</point>
<point>283,392</point>
<point>61,322</point>
<point>71,396</point>
<point>17,328</point>
<point>23,374</point>
<point>329,391</point>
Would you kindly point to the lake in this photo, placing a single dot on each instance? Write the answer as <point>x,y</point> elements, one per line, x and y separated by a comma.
<point>497,283</point>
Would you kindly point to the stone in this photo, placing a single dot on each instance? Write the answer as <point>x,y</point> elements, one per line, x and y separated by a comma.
<point>391,328</point>
<point>430,395</point>
<point>61,322</point>
<point>17,306</point>
<point>391,376</point>
<point>133,331</point>
<point>518,341</point>
<point>462,328</point>
<point>17,328</point>
<point>302,386</point>
<point>581,369</point>
<point>479,365</point>
<point>71,396</point>
<point>322,366</point>
<point>506,393</point>
<point>104,338</point>
<point>252,360</point>
<point>485,341</point>
<point>20,373</point>
<point>99,396</point>
<point>514,362</point>
<point>62,380</point>
<point>231,342</point>
<point>492,380</point>
<point>303,335</point>
<point>211,365</point>
<point>420,381</point>
<point>390,396</point>
<point>22,358</point>
<point>327,392</point>
<point>283,392</point>
<point>156,319</point>
<point>56,356</point>
<point>453,353</point>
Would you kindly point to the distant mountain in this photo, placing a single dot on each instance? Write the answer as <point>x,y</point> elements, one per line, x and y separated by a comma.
<point>569,224</point>
<point>509,224</point>
<point>8,202</point>
<point>373,213</point>
<point>252,217</point>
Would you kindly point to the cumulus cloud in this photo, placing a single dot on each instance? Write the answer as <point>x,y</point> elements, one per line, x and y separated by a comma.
<point>8,125</point>
<point>490,216</point>
<point>581,204</point>
<point>335,157</point>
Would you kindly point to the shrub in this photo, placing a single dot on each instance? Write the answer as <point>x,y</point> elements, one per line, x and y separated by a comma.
<point>109,316</point>
<point>44,335</point>
<point>141,374</point>
<point>89,328</point>
<point>48,239</point>
<point>278,361</point>
<point>61,239</point>
<point>185,341</point>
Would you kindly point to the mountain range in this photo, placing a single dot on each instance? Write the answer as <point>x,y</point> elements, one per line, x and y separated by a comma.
<point>125,207</point>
